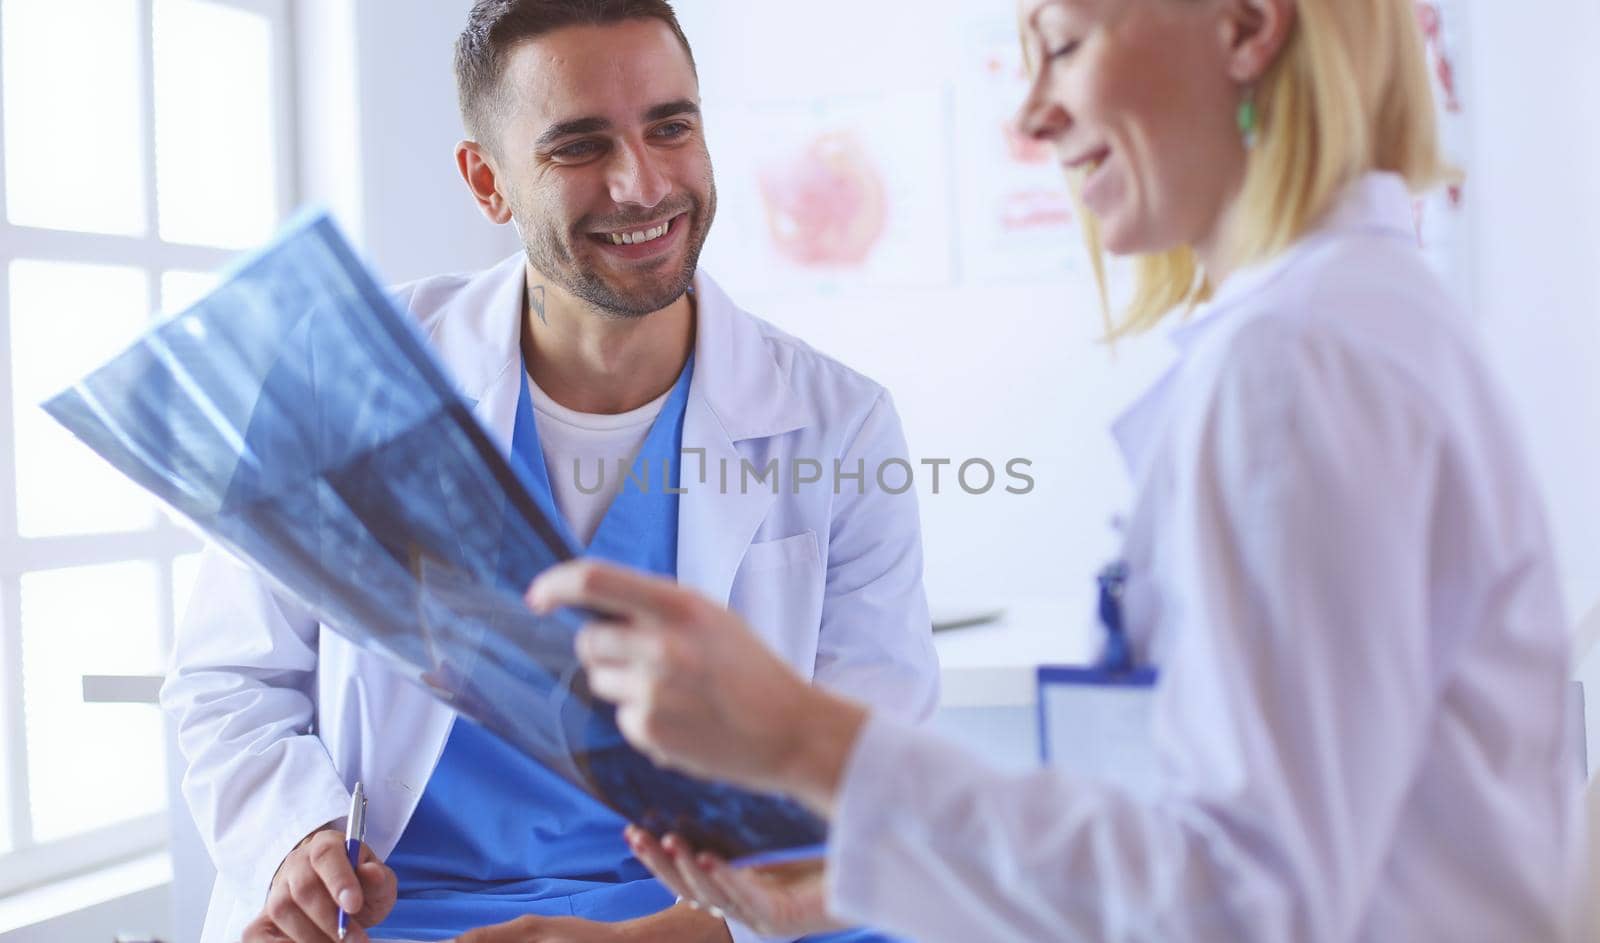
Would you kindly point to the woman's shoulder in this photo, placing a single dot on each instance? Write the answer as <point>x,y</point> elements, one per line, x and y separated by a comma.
<point>1356,340</point>
<point>1366,311</point>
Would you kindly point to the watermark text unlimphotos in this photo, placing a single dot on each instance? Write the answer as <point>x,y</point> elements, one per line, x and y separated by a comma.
<point>894,476</point>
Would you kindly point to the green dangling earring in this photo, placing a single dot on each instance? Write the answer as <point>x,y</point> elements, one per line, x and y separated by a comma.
<point>1249,119</point>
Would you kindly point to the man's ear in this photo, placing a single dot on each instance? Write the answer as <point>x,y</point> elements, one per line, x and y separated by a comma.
<point>478,170</point>
<point>1254,33</point>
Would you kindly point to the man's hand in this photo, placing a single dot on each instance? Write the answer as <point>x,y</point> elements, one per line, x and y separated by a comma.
<point>787,900</point>
<point>679,924</point>
<point>314,880</point>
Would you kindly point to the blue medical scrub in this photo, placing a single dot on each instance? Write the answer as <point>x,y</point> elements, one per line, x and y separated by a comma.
<point>496,835</point>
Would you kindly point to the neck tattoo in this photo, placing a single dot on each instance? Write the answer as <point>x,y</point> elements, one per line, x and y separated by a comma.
<point>536,301</point>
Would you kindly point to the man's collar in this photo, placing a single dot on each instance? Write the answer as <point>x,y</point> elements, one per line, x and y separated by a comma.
<point>477,334</point>
<point>736,372</point>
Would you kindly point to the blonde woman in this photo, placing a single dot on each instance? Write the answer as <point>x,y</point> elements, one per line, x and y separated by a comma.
<point>1336,557</point>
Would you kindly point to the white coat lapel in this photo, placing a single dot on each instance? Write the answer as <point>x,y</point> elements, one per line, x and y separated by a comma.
<point>714,527</point>
<point>477,333</point>
<point>739,393</point>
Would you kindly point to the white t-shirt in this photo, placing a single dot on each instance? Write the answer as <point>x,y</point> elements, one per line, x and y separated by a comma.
<point>584,449</point>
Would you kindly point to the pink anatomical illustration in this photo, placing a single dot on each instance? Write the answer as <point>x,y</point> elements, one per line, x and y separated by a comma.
<point>1431,16</point>
<point>1022,149</point>
<point>1032,207</point>
<point>1432,21</point>
<point>1029,203</point>
<point>1038,208</point>
<point>826,204</point>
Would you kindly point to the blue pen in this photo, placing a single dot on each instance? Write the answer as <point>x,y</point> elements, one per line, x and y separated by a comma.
<point>355,832</point>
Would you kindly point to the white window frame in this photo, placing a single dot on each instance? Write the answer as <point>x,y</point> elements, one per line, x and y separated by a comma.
<point>31,864</point>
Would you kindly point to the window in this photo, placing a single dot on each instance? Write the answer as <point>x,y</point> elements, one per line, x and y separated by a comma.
<point>142,143</point>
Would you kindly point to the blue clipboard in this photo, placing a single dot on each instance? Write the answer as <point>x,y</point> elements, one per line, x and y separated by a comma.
<point>1095,725</point>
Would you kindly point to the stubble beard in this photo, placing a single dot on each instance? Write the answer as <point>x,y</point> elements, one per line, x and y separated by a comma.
<point>554,258</point>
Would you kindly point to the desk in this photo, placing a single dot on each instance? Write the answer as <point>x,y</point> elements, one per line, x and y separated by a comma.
<point>993,665</point>
<point>989,675</point>
<point>192,873</point>
<point>982,666</point>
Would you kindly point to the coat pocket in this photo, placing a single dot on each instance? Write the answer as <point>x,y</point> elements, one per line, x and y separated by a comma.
<point>785,552</point>
<point>778,589</point>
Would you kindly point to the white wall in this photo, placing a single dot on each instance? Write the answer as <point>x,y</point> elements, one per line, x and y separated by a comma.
<point>1535,94</point>
<point>980,368</point>
<point>1009,370</point>
<point>380,125</point>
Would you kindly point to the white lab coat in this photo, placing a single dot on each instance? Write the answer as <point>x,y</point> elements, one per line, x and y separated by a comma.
<point>279,717</point>
<point>1339,563</point>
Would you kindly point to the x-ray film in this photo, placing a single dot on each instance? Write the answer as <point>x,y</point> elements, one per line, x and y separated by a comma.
<point>299,420</point>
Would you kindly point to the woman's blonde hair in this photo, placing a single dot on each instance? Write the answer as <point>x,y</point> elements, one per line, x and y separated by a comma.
<point>1350,93</point>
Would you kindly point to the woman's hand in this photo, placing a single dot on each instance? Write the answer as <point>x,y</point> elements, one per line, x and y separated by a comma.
<point>695,689</point>
<point>785,900</point>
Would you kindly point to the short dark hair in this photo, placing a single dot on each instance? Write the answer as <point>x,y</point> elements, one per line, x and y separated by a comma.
<point>495,27</point>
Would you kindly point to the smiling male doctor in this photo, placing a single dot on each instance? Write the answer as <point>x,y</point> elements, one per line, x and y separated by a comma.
<point>600,343</point>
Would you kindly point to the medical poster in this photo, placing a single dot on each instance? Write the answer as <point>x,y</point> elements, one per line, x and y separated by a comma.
<point>1442,216</point>
<point>836,194</point>
<point>846,192</point>
<point>1017,217</point>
